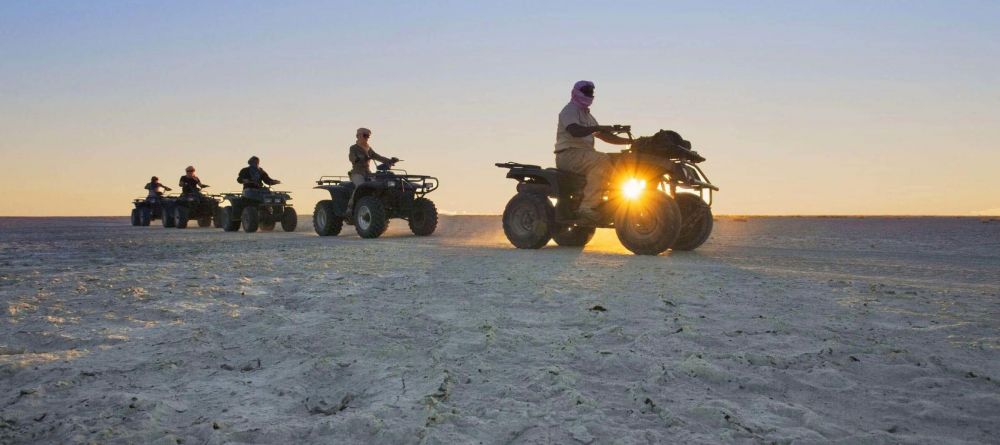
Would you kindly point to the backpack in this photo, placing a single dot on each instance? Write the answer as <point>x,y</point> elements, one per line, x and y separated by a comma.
<point>666,143</point>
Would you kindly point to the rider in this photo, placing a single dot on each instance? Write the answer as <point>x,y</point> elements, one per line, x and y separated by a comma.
<point>253,177</point>
<point>191,184</point>
<point>575,146</point>
<point>154,188</point>
<point>361,155</point>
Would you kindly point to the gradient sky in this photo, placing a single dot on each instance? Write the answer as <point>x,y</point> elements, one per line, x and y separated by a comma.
<point>800,107</point>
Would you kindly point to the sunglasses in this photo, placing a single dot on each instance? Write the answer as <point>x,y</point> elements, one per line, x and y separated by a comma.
<point>365,135</point>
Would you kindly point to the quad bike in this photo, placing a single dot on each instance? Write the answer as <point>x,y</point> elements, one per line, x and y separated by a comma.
<point>200,207</point>
<point>257,208</point>
<point>389,193</point>
<point>151,209</point>
<point>654,198</point>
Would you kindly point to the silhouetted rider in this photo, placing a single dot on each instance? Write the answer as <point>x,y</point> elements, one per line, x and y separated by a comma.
<point>190,183</point>
<point>155,188</point>
<point>253,177</point>
<point>575,150</point>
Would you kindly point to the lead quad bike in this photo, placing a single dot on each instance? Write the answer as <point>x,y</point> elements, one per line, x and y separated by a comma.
<point>656,198</point>
<point>146,210</point>
<point>388,193</point>
<point>200,207</point>
<point>257,209</point>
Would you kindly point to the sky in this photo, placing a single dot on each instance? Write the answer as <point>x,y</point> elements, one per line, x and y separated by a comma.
<point>811,108</point>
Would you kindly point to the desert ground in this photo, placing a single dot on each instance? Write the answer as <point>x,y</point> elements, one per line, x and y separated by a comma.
<point>778,330</point>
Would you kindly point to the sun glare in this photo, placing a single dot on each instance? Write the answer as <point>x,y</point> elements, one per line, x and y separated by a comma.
<point>633,188</point>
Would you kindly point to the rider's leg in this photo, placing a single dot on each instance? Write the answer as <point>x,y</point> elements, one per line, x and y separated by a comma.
<point>592,164</point>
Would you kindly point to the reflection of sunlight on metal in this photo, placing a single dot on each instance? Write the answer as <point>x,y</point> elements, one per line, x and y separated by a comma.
<point>32,359</point>
<point>632,188</point>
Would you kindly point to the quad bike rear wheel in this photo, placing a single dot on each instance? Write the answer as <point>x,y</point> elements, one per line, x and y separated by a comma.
<point>145,215</point>
<point>217,218</point>
<point>136,217</point>
<point>181,214</point>
<point>205,221</point>
<point>424,218</point>
<point>369,217</point>
<point>573,236</point>
<point>289,219</point>
<point>228,221</point>
<point>529,220</point>
<point>650,225</point>
<point>696,222</point>
<point>325,222</point>
<point>250,219</point>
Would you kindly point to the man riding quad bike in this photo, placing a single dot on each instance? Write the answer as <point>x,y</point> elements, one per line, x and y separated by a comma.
<point>634,191</point>
<point>654,198</point>
<point>154,206</point>
<point>388,193</point>
<point>258,207</point>
<point>193,204</point>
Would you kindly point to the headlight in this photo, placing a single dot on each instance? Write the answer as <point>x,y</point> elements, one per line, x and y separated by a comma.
<point>391,184</point>
<point>632,189</point>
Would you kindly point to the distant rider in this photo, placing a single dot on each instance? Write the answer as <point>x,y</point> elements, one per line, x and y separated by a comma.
<point>253,177</point>
<point>190,183</point>
<point>575,150</point>
<point>155,189</point>
<point>361,155</point>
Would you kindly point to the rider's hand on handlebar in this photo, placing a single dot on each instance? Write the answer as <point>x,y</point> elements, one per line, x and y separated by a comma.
<point>276,182</point>
<point>393,160</point>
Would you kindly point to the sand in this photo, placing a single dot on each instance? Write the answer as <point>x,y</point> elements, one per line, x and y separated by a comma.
<point>804,330</point>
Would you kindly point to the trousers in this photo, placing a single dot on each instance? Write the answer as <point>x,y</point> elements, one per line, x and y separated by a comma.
<point>592,164</point>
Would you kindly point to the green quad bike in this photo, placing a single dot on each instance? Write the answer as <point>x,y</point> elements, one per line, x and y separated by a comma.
<point>389,193</point>
<point>200,207</point>
<point>146,210</point>
<point>654,198</point>
<point>260,208</point>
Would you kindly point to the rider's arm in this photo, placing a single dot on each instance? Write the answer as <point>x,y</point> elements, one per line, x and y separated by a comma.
<point>244,176</point>
<point>267,179</point>
<point>579,131</point>
<point>377,156</point>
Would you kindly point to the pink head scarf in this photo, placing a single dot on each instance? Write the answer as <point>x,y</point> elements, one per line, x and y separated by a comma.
<point>578,97</point>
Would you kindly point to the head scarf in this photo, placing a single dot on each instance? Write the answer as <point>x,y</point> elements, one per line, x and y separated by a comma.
<point>578,97</point>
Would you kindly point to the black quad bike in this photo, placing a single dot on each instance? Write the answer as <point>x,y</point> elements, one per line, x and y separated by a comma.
<point>146,210</point>
<point>260,208</point>
<point>389,193</point>
<point>654,198</point>
<point>197,206</point>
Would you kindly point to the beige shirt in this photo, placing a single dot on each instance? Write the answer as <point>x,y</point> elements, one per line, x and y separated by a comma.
<point>574,114</point>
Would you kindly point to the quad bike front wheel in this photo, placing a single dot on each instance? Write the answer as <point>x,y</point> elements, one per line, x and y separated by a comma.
<point>136,217</point>
<point>573,236</point>
<point>250,219</point>
<point>649,226</point>
<point>424,218</point>
<point>181,217</point>
<point>529,220</point>
<point>145,215</point>
<point>289,219</point>
<point>325,222</point>
<point>369,217</point>
<point>696,222</point>
<point>229,222</point>
<point>167,217</point>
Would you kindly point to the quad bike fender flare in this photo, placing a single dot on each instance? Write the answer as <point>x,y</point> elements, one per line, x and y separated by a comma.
<point>533,179</point>
<point>340,195</point>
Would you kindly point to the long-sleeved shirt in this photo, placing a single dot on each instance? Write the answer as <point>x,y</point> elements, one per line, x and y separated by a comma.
<point>190,184</point>
<point>254,178</point>
<point>361,159</point>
